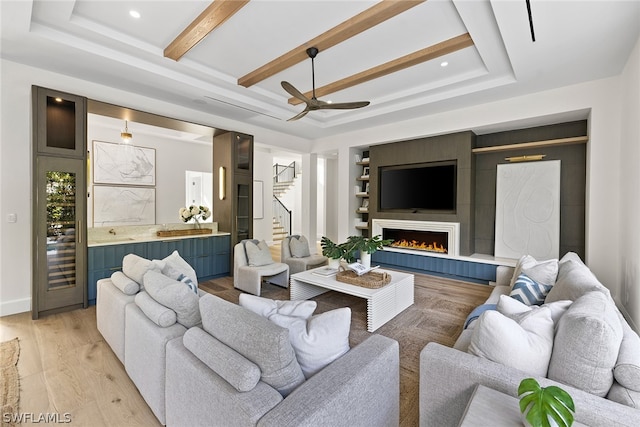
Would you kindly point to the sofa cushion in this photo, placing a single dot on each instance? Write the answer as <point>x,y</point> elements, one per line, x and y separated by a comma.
<point>523,342</point>
<point>259,254</point>
<point>510,306</point>
<point>299,247</point>
<point>171,272</point>
<point>627,368</point>
<point>127,285</point>
<point>241,373</point>
<point>175,295</point>
<point>623,395</point>
<point>175,266</point>
<point>265,307</point>
<point>156,312</point>
<point>543,272</point>
<point>255,338</point>
<point>319,340</point>
<point>574,280</point>
<point>136,267</point>
<point>586,344</point>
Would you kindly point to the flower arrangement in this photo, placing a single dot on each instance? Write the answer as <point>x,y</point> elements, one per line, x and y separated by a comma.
<point>194,212</point>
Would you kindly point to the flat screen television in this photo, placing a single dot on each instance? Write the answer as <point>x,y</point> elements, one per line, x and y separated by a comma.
<point>418,187</point>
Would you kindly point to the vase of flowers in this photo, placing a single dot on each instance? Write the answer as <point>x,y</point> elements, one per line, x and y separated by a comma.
<point>195,213</point>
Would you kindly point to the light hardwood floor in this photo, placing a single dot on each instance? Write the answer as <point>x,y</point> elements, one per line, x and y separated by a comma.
<point>66,367</point>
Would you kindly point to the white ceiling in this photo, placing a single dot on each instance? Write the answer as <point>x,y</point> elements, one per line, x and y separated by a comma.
<point>98,41</point>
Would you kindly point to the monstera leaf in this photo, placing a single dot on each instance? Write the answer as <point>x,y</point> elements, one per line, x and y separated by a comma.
<point>545,406</point>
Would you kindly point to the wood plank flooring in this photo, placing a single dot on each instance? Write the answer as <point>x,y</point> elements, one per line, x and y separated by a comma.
<point>66,367</point>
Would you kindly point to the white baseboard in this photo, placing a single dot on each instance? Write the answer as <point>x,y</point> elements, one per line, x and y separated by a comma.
<point>15,306</point>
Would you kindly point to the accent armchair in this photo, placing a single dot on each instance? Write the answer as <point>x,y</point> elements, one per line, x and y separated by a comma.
<point>252,263</point>
<point>295,252</point>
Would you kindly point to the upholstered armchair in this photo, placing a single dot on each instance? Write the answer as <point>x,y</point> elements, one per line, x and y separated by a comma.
<point>252,263</point>
<point>296,254</point>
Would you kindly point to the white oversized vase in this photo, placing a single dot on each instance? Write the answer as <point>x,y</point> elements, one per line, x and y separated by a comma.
<point>365,259</point>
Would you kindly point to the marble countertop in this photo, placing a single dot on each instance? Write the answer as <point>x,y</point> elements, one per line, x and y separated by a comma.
<point>119,235</point>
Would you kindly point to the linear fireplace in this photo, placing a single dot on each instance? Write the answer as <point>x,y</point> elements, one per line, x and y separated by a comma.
<point>420,237</point>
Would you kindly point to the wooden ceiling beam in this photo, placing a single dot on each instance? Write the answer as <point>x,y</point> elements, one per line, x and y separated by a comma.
<point>212,17</point>
<point>443,48</point>
<point>369,18</point>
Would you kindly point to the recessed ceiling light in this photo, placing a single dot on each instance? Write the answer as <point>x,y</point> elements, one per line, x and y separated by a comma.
<point>134,14</point>
<point>444,63</point>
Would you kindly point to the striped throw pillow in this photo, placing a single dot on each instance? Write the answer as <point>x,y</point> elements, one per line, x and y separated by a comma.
<point>528,291</point>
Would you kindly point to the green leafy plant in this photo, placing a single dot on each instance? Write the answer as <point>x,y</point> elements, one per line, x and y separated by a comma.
<point>540,404</point>
<point>362,244</point>
<point>330,249</point>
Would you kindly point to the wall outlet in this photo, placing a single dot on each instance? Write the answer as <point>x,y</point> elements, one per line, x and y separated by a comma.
<point>12,217</point>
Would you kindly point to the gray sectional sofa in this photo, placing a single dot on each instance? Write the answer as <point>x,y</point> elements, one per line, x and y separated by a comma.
<point>580,342</point>
<point>226,365</point>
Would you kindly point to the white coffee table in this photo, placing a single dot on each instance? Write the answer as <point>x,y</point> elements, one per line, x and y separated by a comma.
<point>383,304</point>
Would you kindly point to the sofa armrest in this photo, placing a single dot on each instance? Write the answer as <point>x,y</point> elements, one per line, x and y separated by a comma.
<point>448,377</point>
<point>362,388</point>
<point>503,275</point>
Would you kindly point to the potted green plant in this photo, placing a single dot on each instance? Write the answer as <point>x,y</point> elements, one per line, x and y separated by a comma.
<point>331,250</point>
<point>545,406</point>
<point>365,246</point>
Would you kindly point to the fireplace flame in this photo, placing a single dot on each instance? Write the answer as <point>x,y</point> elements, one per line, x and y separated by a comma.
<point>422,246</point>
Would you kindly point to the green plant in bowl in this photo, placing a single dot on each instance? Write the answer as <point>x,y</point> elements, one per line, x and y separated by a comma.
<point>545,406</point>
<point>362,244</point>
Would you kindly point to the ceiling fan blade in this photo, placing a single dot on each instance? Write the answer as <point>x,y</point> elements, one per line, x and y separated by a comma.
<point>343,105</point>
<point>294,92</point>
<point>299,115</point>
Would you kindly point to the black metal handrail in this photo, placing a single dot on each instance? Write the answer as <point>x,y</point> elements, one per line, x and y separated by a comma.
<point>282,173</point>
<point>282,214</point>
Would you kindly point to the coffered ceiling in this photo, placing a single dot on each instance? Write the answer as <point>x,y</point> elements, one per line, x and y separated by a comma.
<point>100,41</point>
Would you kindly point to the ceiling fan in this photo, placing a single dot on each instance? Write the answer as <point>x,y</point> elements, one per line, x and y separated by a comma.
<point>314,103</point>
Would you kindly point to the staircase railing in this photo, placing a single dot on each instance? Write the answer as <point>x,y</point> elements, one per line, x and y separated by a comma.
<point>282,214</point>
<point>282,173</point>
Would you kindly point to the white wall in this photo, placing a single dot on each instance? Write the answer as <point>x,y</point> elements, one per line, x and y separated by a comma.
<point>629,264</point>
<point>173,158</point>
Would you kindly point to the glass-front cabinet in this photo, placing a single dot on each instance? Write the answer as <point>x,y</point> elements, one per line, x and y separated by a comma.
<point>60,200</point>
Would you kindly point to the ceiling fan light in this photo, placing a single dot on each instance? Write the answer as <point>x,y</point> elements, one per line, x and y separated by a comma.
<point>134,14</point>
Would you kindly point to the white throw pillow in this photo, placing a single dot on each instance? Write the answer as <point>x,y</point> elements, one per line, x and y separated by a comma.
<point>259,254</point>
<point>319,340</point>
<point>544,272</point>
<point>174,295</point>
<point>524,342</point>
<point>299,247</point>
<point>135,267</point>
<point>510,306</point>
<point>265,307</point>
<point>176,262</point>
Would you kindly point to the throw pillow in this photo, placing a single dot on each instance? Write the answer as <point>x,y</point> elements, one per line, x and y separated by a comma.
<point>177,263</point>
<point>126,285</point>
<point>544,272</point>
<point>136,267</point>
<point>175,295</point>
<point>574,280</point>
<point>156,312</point>
<point>586,345</point>
<point>259,254</point>
<point>528,291</point>
<point>319,340</point>
<point>255,338</point>
<point>265,307</point>
<point>524,342</point>
<point>510,306</point>
<point>171,272</point>
<point>299,247</point>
